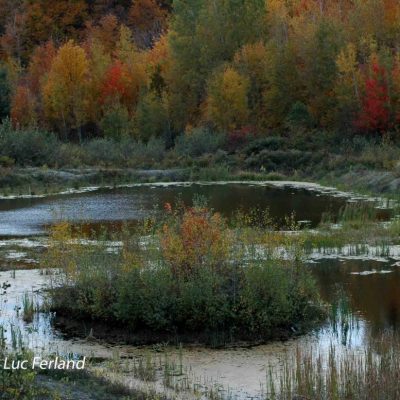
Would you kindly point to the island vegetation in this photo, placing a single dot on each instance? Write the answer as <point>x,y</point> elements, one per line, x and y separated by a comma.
<point>186,277</point>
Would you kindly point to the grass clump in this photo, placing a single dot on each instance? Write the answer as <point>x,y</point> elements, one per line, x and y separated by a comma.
<point>29,307</point>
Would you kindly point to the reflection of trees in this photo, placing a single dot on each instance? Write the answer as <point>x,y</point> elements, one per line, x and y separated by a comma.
<point>376,297</point>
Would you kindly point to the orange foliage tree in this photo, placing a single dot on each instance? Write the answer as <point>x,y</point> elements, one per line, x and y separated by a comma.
<point>192,238</point>
<point>45,19</point>
<point>23,105</point>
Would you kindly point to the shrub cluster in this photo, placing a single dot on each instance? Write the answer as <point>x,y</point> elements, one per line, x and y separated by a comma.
<point>36,148</point>
<point>195,280</point>
<point>202,149</point>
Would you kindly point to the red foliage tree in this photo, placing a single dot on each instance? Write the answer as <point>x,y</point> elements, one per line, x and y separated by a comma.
<point>374,115</point>
<point>115,84</point>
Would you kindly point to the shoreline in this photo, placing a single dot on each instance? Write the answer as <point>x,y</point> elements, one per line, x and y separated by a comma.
<point>43,183</point>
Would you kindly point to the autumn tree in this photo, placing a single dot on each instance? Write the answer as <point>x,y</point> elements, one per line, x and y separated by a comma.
<point>320,71</point>
<point>227,104</point>
<point>285,87</point>
<point>116,86</point>
<point>57,20</point>
<point>374,115</point>
<point>100,62</point>
<point>148,21</point>
<point>23,108</point>
<point>65,90</point>
<point>8,11</point>
<point>116,122</point>
<point>13,43</point>
<point>348,87</point>
<point>203,37</point>
<point>252,61</point>
<point>40,64</point>
<point>158,63</point>
<point>152,118</point>
<point>105,32</point>
<point>278,21</point>
<point>134,66</point>
<point>395,89</point>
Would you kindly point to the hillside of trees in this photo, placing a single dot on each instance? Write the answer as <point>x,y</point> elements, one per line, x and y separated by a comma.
<point>143,68</point>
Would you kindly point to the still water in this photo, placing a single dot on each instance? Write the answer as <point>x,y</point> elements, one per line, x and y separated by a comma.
<point>23,217</point>
<point>369,287</point>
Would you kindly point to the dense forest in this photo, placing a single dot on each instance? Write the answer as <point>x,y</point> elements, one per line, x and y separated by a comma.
<point>143,68</point>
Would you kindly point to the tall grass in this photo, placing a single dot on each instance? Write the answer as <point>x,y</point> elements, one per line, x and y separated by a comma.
<point>29,307</point>
<point>372,373</point>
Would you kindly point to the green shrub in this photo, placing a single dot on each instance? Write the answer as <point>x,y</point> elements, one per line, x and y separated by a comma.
<point>268,143</point>
<point>6,161</point>
<point>150,152</point>
<point>103,152</point>
<point>289,160</point>
<point>116,123</point>
<point>28,147</point>
<point>151,118</point>
<point>199,142</point>
<point>69,155</point>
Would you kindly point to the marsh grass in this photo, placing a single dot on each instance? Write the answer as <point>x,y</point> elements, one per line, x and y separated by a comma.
<point>356,231</point>
<point>371,373</point>
<point>29,307</point>
<point>145,368</point>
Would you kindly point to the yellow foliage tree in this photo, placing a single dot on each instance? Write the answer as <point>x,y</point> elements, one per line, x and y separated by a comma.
<point>227,103</point>
<point>348,84</point>
<point>64,92</point>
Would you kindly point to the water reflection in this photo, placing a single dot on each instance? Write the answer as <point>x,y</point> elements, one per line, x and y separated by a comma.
<point>30,216</point>
<point>371,288</point>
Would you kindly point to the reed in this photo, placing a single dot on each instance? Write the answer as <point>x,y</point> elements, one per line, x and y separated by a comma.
<point>372,373</point>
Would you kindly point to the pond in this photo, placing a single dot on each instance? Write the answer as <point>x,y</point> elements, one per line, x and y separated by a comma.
<point>29,216</point>
<point>367,287</point>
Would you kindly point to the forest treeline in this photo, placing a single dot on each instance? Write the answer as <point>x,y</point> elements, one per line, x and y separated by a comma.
<point>143,68</point>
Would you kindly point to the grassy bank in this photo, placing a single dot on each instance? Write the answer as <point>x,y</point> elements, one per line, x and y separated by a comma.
<point>36,162</point>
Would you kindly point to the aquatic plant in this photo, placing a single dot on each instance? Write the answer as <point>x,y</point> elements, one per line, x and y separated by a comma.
<point>28,307</point>
<point>372,373</point>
